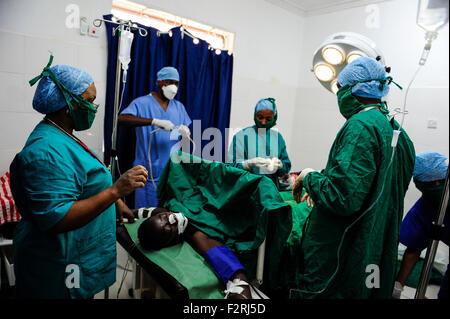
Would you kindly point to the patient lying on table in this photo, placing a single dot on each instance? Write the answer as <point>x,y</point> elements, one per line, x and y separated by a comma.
<point>165,228</point>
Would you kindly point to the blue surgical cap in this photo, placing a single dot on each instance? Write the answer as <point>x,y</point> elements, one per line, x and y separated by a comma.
<point>48,98</point>
<point>430,166</point>
<point>168,73</point>
<point>264,104</point>
<point>364,68</point>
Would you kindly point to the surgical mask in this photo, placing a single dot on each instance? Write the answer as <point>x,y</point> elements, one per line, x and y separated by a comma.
<point>432,193</point>
<point>84,116</point>
<point>349,104</point>
<point>181,219</point>
<point>170,91</point>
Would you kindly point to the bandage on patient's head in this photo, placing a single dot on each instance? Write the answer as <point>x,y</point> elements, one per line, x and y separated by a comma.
<point>157,232</point>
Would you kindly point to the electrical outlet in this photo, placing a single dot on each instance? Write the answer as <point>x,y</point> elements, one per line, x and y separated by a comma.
<point>432,123</point>
<point>84,26</point>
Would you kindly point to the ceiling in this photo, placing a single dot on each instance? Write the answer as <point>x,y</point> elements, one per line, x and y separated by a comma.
<point>316,7</point>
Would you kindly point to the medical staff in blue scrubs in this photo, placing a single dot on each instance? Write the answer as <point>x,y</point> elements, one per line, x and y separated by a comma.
<point>65,244</point>
<point>160,113</point>
<point>429,174</point>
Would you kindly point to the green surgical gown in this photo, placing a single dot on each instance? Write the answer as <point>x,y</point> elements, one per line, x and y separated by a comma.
<point>350,183</point>
<point>252,142</point>
<point>50,174</point>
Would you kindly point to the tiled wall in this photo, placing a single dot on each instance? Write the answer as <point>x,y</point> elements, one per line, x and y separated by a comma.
<point>24,53</point>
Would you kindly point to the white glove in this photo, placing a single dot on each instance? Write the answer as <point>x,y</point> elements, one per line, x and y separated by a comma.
<point>398,288</point>
<point>164,124</point>
<point>305,172</point>
<point>258,162</point>
<point>274,165</point>
<point>184,131</point>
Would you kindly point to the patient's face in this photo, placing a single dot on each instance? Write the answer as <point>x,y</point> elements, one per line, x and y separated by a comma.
<point>168,232</point>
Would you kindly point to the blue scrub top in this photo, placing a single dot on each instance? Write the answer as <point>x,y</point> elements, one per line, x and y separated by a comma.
<point>415,230</point>
<point>163,143</point>
<point>50,174</point>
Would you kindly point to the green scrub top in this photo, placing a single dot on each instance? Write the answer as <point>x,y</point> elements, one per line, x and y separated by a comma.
<point>351,181</point>
<point>252,142</point>
<point>50,174</point>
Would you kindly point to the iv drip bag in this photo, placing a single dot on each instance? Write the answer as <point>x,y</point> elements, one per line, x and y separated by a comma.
<point>126,39</point>
<point>432,14</point>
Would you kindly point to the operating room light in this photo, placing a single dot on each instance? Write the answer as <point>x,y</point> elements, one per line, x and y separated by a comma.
<point>352,56</point>
<point>336,52</point>
<point>333,55</point>
<point>334,87</point>
<point>324,72</point>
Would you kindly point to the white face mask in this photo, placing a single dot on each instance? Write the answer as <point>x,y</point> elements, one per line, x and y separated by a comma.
<point>182,221</point>
<point>170,91</point>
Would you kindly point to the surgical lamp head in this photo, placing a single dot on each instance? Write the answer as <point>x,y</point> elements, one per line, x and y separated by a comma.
<point>339,50</point>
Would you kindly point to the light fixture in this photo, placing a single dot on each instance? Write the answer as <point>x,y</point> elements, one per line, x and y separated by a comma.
<point>333,54</point>
<point>352,56</point>
<point>334,86</point>
<point>324,72</point>
<point>337,51</point>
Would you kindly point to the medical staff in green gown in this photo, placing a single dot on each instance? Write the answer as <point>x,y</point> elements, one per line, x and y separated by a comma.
<point>258,148</point>
<point>349,248</point>
<point>65,243</point>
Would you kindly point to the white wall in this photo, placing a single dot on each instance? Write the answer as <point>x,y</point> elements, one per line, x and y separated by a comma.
<point>28,30</point>
<point>401,41</point>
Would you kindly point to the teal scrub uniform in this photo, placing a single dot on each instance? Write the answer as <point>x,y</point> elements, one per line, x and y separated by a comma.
<point>253,142</point>
<point>50,174</point>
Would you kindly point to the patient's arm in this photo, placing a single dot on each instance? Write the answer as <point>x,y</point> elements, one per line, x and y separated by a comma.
<point>203,243</point>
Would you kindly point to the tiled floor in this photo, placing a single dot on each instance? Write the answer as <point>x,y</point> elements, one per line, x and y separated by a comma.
<point>431,293</point>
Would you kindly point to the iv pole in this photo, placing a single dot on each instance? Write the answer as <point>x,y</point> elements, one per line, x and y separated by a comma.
<point>121,24</point>
<point>436,235</point>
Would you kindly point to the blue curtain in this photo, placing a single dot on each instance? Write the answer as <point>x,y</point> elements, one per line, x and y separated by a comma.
<point>205,86</point>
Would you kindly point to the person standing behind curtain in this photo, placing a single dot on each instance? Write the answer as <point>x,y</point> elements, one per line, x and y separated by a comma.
<point>161,113</point>
<point>258,148</point>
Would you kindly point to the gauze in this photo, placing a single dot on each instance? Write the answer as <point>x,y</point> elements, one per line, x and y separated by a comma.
<point>170,91</point>
<point>181,219</point>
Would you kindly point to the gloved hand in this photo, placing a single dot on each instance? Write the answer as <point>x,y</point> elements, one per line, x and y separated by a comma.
<point>297,189</point>
<point>274,165</point>
<point>257,162</point>
<point>164,124</point>
<point>184,131</point>
<point>303,174</point>
<point>397,292</point>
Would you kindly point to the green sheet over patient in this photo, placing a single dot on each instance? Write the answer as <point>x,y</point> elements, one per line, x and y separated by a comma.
<point>233,206</point>
<point>239,209</point>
